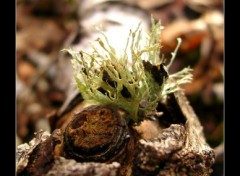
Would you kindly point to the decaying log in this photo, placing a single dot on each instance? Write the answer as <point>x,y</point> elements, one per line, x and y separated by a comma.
<point>177,149</point>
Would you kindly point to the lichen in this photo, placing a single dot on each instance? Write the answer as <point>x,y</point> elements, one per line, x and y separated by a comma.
<point>134,80</point>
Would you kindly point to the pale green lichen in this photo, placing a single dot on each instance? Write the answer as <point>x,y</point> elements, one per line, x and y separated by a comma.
<point>105,77</point>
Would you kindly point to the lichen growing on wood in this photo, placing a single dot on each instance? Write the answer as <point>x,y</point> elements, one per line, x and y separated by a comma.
<point>135,79</point>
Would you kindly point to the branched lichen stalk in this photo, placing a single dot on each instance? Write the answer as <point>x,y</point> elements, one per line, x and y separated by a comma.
<point>134,80</point>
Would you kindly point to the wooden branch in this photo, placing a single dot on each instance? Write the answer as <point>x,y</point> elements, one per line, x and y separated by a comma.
<point>179,149</point>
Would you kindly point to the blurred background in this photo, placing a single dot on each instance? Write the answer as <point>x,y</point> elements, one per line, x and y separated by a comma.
<point>44,27</point>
